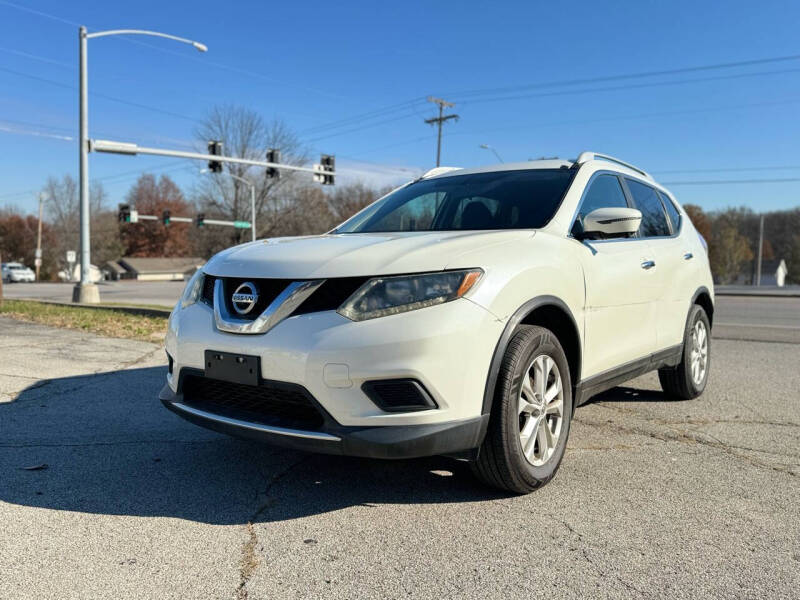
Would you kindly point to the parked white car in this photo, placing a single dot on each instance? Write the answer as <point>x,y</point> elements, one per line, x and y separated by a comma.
<point>466,313</point>
<point>14,272</point>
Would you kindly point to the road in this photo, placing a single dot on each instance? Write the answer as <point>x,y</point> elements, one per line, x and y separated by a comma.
<point>655,497</point>
<point>159,293</point>
<point>737,317</point>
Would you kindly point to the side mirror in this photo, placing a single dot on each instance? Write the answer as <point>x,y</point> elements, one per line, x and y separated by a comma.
<point>605,223</point>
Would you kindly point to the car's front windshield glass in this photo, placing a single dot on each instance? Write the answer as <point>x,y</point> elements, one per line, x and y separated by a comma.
<point>521,199</point>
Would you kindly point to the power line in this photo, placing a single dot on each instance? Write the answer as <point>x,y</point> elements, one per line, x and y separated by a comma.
<point>731,181</point>
<point>631,86</point>
<point>204,62</point>
<point>568,82</point>
<point>101,95</point>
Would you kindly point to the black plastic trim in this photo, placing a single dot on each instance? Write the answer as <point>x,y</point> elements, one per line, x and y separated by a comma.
<point>388,442</point>
<point>587,388</point>
<point>369,388</point>
<point>500,349</point>
<point>699,292</point>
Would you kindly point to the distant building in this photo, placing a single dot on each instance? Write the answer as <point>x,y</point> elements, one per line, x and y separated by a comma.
<point>152,269</point>
<point>773,272</point>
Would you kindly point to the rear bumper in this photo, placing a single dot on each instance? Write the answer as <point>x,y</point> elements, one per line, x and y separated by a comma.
<point>390,441</point>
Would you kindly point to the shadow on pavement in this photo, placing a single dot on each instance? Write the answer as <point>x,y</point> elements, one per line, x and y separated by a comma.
<point>629,394</point>
<point>111,448</point>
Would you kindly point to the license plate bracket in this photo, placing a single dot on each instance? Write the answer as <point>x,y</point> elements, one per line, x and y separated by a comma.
<point>232,367</point>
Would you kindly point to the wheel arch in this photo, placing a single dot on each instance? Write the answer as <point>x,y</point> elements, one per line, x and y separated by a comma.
<point>702,297</point>
<point>547,311</point>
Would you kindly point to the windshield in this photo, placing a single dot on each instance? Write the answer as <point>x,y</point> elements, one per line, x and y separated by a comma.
<point>524,199</point>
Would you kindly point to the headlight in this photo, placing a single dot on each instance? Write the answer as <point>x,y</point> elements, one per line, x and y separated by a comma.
<point>383,296</point>
<point>193,289</point>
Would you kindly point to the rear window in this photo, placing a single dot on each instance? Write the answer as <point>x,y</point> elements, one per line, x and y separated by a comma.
<point>524,199</point>
<point>654,221</point>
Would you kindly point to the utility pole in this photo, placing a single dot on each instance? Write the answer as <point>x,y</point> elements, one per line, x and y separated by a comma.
<point>760,250</point>
<point>38,259</point>
<point>438,121</point>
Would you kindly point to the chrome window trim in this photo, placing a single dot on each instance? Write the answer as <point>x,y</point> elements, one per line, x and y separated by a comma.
<point>279,309</point>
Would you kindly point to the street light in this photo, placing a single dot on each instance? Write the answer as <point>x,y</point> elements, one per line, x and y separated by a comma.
<point>488,147</point>
<point>84,290</point>
<point>252,198</point>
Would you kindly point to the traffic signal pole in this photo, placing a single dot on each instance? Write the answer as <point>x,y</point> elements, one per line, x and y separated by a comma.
<point>112,147</point>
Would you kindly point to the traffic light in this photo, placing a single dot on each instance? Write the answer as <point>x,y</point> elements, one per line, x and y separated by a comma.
<point>200,219</point>
<point>124,214</point>
<point>215,148</point>
<point>273,156</point>
<point>165,215</point>
<point>328,163</point>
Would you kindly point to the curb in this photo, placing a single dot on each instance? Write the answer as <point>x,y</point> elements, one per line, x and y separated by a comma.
<point>132,310</point>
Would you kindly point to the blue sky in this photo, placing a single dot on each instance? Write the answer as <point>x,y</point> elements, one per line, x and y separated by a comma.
<point>314,64</point>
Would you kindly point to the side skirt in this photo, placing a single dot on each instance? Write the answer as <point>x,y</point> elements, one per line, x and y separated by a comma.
<point>601,382</point>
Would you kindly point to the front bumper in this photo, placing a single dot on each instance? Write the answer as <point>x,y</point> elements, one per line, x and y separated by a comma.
<point>447,348</point>
<point>393,442</point>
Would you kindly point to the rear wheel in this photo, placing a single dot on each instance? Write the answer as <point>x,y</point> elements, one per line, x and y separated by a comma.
<point>689,378</point>
<point>531,413</point>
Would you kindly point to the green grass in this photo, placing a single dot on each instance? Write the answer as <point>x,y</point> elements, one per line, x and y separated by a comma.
<point>108,322</point>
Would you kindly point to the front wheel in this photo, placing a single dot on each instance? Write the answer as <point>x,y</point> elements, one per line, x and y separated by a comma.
<point>689,378</point>
<point>531,414</point>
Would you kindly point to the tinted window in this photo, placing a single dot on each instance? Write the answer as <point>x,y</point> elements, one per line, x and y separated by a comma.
<point>672,212</point>
<point>605,191</point>
<point>496,200</point>
<point>654,221</point>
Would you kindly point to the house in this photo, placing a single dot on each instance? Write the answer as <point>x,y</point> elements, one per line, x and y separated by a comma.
<point>773,272</point>
<point>153,269</point>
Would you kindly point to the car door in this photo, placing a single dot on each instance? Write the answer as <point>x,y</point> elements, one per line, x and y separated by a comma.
<point>671,273</point>
<point>619,319</point>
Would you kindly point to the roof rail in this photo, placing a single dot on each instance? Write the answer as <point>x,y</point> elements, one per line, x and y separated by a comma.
<point>587,156</point>
<point>439,171</point>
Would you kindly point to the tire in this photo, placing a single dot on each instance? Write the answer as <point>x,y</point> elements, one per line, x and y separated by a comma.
<point>502,462</point>
<point>689,378</point>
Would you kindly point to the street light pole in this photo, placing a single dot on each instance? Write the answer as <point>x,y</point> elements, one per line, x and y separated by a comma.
<point>38,260</point>
<point>488,147</point>
<point>85,291</point>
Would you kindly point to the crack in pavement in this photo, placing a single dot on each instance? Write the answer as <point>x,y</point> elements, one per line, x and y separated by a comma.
<point>673,435</point>
<point>584,548</point>
<point>249,562</point>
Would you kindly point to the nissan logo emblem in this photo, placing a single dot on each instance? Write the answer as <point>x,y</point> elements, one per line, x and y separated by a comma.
<point>244,298</point>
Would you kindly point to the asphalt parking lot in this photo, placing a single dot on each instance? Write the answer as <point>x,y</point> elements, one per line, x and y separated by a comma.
<point>105,494</point>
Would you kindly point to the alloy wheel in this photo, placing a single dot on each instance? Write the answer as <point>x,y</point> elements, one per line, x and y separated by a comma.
<point>698,357</point>
<point>540,409</point>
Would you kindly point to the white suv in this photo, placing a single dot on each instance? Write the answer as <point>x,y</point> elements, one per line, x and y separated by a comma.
<point>466,313</point>
<point>15,272</point>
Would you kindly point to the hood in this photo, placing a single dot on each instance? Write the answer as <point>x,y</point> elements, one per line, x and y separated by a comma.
<point>354,254</point>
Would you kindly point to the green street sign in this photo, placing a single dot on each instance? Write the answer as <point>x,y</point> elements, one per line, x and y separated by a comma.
<point>241,224</point>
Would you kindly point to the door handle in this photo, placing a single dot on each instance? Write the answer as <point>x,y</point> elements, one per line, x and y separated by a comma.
<point>688,256</point>
<point>648,264</point>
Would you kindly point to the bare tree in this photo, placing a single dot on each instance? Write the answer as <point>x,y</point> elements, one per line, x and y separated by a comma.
<point>61,198</point>
<point>245,134</point>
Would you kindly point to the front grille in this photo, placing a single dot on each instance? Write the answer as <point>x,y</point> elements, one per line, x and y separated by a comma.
<point>208,289</point>
<point>271,403</point>
<point>329,296</point>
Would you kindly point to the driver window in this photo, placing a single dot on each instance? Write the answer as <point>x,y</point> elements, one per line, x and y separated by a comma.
<point>604,192</point>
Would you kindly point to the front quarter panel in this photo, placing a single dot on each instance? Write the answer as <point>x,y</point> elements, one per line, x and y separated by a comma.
<point>544,264</point>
